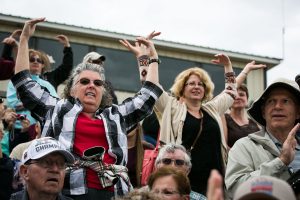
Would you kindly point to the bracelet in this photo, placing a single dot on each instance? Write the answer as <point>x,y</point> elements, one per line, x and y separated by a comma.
<point>154,60</point>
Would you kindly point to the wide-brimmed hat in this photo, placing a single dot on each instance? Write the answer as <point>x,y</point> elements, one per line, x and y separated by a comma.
<point>41,147</point>
<point>264,187</point>
<point>255,110</point>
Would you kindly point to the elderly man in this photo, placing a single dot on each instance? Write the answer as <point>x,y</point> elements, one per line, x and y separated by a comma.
<point>176,156</point>
<point>275,150</point>
<point>43,170</point>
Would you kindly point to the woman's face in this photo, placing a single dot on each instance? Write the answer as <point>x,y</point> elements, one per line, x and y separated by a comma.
<point>241,100</point>
<point>88,90</point>
<point>194,88</point>
<point>35,64</point>
<point>167,188</point>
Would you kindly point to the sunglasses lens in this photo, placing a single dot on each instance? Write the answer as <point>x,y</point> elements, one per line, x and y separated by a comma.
<point>32,59</point>
<point>166,161</point>
<point>98,83</point>
<point>84,81</point>
<point>179,162</point>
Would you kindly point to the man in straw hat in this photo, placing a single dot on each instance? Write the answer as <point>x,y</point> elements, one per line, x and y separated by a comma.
<point>274,150</point>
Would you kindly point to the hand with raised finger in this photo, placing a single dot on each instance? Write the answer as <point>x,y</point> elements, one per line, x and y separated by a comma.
<point>29,27</point>
<point>152,35</point>
<point>137,49</point>
<point>288,150</point>
<point>16,33</point>
<point>221,59</point>
<point>149,46</point>
<point>252,66</point>
<point>10,41</point>
<point>64,40</point>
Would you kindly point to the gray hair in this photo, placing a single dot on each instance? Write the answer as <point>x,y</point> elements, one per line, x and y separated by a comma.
<point>106,98</point>
<point>171,148</point>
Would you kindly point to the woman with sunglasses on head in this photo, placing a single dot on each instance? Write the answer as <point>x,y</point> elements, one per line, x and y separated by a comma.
<point>13,101</point>
<point>86,122</point>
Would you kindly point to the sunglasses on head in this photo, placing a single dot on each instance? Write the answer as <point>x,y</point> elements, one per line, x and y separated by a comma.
<point>32,59</point>
<point>86,81</point>
<point>168,161</point>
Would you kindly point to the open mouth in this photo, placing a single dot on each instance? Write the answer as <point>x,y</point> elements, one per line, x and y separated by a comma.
<point>53,180</point>
<point>91,94</point>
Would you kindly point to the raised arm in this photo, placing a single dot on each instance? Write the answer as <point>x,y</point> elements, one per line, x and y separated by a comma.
<point>247,69</point>
<point>222,59</point>
<point>22,61</point>
<point>141,53</point>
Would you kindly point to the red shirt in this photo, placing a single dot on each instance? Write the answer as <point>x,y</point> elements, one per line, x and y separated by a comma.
<point>90,133</point>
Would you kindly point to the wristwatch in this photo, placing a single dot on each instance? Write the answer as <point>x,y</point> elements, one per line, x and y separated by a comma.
<point>154,60</point>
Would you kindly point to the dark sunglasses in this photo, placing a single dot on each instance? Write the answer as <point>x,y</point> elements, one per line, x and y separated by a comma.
<point>32,59</point>
<point>86,81</point>
<point>168,161</point>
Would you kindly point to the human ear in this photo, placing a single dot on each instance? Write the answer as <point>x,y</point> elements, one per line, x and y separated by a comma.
<point>23,171</point>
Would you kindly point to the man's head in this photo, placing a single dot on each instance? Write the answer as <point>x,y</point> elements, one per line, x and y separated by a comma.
<point>94,57</point>
<point>43,166</point>
<point>278,108</point>
<point>264,187</point>
<point>174,155</point>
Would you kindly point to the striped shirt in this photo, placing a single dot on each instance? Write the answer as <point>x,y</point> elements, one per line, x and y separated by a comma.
<point>59,117</point>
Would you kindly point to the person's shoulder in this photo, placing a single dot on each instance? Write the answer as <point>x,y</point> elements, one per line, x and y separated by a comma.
<point>17,195</point>
<point>63,197</point>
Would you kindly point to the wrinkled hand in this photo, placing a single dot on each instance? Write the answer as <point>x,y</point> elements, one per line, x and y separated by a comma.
<point>252,66</point>
<point>25,125</point>
<point>29,27</point>
<point>221,59</point>
<point>215,186</point>
<point>288,150</point>
<point>64,40</point>
<point>139,49</point>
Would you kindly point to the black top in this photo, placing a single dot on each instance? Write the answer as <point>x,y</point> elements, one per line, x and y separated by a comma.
<point>206,154</point>
<point>236,131</point>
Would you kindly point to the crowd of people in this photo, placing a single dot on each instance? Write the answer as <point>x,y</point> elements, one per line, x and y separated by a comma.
<point>85,145</point>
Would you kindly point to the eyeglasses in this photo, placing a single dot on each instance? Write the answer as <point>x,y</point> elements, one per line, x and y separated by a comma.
<point>86,81</point>
<point>33,59</point>
<point>177,162</point>
<point>194,84</point>
<point>47,163</point>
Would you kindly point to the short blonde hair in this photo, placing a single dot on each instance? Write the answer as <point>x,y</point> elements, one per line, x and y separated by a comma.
<point>180,81</point>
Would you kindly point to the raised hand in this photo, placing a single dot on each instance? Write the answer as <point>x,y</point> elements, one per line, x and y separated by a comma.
<point>288,150</point>
<point>215,186</point>
<point>221,59</point>
<point>10,41</point>
<point>139,49</point>
<point>16,34</point>
<point>64,40</point>
<point>29,27</point>
<point>252,66</point>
